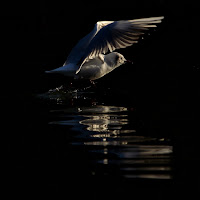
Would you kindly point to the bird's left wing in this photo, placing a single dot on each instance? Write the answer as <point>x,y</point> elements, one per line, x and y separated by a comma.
<point>116,35</point>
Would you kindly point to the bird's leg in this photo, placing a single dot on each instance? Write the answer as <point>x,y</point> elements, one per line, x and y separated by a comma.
<point>101,57</point>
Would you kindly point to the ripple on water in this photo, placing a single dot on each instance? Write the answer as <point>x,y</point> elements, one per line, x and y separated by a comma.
<point>110,139</point>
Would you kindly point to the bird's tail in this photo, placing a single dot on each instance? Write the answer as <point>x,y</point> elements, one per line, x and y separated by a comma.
<point>66,70</point>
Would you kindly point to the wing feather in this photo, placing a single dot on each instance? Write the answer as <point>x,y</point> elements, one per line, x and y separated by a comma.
<point>113,35</point>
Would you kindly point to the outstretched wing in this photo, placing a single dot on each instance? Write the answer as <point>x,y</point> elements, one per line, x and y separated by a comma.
<point>79,49</point>
<point>116,35</point>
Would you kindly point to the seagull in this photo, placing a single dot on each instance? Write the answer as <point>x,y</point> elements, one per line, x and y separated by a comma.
<point>94,55</point>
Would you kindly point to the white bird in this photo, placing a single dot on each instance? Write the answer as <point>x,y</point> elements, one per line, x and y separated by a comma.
<point>88,59</point>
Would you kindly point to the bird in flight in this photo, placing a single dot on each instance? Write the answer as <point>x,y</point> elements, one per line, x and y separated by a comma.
<point>94,55</point>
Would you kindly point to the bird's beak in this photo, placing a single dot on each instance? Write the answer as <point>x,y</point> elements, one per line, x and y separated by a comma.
<point>129,61</point>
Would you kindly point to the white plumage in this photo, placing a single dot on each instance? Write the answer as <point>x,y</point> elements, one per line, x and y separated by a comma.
<point>88,59</point>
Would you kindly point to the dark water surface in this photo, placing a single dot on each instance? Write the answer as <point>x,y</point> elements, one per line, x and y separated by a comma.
<point>98,143</point>
<point>108,135</point>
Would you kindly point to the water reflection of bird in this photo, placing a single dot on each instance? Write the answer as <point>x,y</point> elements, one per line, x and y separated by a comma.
<point>88,59</point>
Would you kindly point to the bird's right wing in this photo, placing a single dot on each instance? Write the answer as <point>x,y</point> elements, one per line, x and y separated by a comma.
<point>80,48</point>
<point>116,35</point>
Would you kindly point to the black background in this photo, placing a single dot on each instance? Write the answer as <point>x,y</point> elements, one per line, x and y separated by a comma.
<point>38,35</point>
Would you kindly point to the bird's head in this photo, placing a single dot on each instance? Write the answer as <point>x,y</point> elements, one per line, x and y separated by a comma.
<point>115,59</point>
<point>120,60</point>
